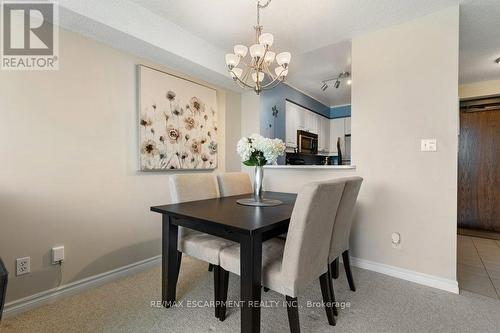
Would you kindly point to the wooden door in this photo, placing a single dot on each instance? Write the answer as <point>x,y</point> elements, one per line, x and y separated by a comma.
<point>479,170</point>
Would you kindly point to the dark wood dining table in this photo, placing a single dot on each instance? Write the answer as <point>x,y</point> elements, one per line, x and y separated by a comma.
<point>225,218</point>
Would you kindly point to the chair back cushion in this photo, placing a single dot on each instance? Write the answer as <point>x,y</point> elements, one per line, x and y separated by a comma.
<point>343,220</point>
<point>193,186</point>
<point>307,245</point>
<point>234,183</point>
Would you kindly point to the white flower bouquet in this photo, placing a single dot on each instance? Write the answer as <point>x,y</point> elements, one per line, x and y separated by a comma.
<point>256,150</point>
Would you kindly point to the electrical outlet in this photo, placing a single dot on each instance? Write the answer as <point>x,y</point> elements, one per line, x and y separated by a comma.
<point>23,266</point>
<point>396,239</point>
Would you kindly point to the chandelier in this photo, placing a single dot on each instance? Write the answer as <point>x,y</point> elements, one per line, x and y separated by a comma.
<point>257,73</point>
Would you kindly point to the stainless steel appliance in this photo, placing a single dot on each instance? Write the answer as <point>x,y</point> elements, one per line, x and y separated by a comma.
<point>307,142</point>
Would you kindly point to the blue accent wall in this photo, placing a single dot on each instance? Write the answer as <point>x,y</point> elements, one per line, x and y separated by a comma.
<point>275,127</point>
<point>340,111</point>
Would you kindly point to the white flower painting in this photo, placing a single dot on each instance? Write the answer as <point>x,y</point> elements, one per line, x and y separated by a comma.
<point>177,123</point>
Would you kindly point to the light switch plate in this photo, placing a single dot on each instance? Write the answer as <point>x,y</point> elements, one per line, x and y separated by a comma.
<point>428,145</point>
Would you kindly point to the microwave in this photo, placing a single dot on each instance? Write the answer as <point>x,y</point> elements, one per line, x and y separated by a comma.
<point>307,142</point>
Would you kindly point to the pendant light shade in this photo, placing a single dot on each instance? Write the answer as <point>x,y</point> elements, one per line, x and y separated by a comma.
<point>261,77</point>
<point>257,51</point>
<point>236,72</point>
<point>269,57</point>
<point>281,72</point>
<point>266,39</point>
<point>283,58</point>
<point>240,50</point>
<point>232,60</point>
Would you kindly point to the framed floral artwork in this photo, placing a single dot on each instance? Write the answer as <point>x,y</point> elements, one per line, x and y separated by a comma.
<point>177,122</point>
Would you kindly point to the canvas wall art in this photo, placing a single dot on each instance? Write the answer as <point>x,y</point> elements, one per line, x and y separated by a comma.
<point>177,122</point>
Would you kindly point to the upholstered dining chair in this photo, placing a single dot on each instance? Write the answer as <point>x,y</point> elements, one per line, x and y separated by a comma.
<point>191,187</point>
<point>342,229</point>
<point>289,266</point>
<point>234,183</point>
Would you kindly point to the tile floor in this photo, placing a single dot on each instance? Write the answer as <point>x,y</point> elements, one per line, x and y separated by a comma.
<point>478,268</point>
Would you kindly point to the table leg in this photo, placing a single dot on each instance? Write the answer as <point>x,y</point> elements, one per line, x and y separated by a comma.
<point>250,268</point>
<point>170,264</point>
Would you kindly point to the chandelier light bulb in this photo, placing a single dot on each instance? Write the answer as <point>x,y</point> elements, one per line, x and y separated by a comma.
<point>269,57</point>
<point>240,50</point>
<point>283,58</point>
<point>257,50</point>
<point>266,39</point>
<point>349,82</point>
<point>232,60</point>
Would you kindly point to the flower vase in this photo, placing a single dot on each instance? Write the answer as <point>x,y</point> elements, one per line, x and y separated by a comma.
<point>257,183</point>
<point>258,199</point>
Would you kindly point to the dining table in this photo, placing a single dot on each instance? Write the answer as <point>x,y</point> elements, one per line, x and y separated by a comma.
<point>223,217</point>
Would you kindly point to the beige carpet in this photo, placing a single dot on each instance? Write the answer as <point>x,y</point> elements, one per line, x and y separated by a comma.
<point>381,304</point>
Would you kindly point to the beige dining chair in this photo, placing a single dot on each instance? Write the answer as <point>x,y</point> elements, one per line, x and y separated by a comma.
<point>191,187</point>
<point>234,183</point>
<point>287,266</point>
<point>342,229</point>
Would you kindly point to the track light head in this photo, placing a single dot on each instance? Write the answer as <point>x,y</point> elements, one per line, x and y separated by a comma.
<point>498,61</point>
<point>324,86</point>
<point>337,84</point>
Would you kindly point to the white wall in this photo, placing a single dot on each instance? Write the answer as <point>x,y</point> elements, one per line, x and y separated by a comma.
<point>479,89</point>
<point>250,113</point>
<point>68,141</point>
<point>405,87</point>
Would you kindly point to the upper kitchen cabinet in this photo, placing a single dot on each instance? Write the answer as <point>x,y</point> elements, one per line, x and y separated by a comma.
<point>292,122</point>
<point>347,125</point>
<point>324,135</point>
<point>299,118</point>
<point>337,130</point>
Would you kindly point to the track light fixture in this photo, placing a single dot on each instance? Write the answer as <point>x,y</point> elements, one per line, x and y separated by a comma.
<point>498,61</point>
<point>337,79</point>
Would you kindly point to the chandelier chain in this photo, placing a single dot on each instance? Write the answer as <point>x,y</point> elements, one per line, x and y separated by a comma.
<point>259,7</point>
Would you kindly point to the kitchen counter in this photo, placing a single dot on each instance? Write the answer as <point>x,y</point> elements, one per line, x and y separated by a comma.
<point>328,167</point>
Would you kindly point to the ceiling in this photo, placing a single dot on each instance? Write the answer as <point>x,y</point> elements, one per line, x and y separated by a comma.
<point>479,40</point>
<point>319,36</point>
<point>322,64</point>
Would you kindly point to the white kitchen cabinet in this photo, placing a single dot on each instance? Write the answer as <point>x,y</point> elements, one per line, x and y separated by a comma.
<point>323,134</point>
<point>347,125</point>
<point>325,124</point>
<point>299,118</point>
<point>337,130</point>
<point>311,121</point>
<point>291,127</point>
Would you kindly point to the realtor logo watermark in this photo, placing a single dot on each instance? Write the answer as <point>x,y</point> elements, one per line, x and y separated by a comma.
<point>30,36</point>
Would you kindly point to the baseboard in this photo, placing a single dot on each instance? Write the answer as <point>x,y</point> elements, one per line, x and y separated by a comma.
<point>51,295</point>
<point>406,274</point>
